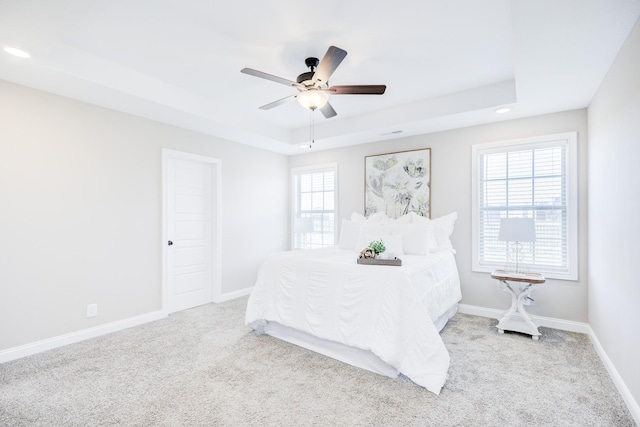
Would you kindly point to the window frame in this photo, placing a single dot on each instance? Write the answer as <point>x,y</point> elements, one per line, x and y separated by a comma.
<point>295,197</point>
<point>570,139</point>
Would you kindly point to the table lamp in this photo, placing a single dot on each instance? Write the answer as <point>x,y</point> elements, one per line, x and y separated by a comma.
<point>517,230</point>
<point>303,226</point>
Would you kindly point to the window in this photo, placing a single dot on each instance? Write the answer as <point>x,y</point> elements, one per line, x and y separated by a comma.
<point>529,178</point>
<point>314,204</point>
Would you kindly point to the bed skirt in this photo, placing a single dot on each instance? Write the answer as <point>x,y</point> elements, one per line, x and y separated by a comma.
<point>357,357</point>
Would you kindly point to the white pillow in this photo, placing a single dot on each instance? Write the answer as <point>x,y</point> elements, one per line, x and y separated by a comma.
<point>415,237</point>
<point>442,231</point>
<point>378,217</point>
<point>392,242</point>
<point>417,218</point>
<point>405,219</point>
<point>357,217</point>
<point>349,234</point>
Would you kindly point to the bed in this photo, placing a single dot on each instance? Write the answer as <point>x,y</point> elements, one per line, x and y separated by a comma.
<point>382,318</point>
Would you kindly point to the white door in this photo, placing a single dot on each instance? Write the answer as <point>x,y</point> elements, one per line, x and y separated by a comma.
<point>190,198</point>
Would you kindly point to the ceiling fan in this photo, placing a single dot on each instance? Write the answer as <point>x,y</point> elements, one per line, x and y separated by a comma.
<point>313,86</point>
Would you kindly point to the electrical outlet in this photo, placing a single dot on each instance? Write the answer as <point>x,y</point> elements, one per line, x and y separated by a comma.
<point>92,310</point>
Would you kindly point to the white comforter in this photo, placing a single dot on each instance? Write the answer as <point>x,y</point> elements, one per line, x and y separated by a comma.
<point>387,310</point>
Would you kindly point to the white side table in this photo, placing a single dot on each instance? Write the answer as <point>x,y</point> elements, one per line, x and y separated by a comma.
<point>510,321</point>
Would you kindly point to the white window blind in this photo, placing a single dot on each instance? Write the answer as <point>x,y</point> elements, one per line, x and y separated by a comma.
<point>534,178</point>
<point>314,202</point>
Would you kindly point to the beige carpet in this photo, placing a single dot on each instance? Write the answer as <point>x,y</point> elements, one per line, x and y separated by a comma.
<point>202,367</point>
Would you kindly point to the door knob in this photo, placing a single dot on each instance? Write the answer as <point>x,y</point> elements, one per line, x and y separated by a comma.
<point>170,243</point>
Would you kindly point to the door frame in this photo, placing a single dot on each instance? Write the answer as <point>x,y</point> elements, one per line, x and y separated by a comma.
<point>216,190</point>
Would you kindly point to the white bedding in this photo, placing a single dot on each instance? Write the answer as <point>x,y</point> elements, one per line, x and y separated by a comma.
<point>387,310</point>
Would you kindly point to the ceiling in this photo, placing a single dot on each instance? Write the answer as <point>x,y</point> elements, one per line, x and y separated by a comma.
<point>446,64</point>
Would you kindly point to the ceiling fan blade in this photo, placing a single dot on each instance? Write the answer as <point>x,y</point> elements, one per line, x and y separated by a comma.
<point>276,103</point>
<point>273,78</point>
<point>328,64</point>
<point>328,111</point>
<point>357,90</point>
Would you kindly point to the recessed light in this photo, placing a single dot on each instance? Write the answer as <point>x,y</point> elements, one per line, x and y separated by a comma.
<point>503,110</point>
<point>17,52</point>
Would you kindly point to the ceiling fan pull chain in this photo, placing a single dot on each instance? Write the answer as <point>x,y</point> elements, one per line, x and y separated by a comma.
<point>311,129</point>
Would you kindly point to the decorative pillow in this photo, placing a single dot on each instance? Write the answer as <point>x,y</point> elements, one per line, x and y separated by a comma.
<point>415,237</point>
<point>349,234</point>
<point>392,242</point>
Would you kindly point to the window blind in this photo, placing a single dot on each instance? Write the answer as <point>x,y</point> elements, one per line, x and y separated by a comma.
<point>526,181</point>
<point>315,198</point>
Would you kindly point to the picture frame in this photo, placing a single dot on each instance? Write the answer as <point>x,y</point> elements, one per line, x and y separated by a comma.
<point>398,183</point>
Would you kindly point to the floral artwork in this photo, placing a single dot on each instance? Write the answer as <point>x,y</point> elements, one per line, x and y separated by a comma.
<point>398,183</point>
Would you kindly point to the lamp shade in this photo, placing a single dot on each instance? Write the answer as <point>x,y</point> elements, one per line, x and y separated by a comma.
<point>517,230</point>
<point>312,99</point>
<point>303,225</point>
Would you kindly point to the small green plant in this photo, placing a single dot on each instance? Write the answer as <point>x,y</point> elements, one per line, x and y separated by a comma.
<point>378,246</point>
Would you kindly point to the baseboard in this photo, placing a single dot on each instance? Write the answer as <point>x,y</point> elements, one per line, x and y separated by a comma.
<point>571,326</point>
<point>566,325</point>
<point>633,406</point>
<point>74,337</point>
<point>233,295</point>
<point>547,322</point>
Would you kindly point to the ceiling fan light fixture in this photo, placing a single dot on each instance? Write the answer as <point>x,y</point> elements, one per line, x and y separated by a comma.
<point>313,86</point>
<point>312,99</point>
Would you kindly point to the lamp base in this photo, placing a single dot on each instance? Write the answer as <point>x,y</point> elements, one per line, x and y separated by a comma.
<point>515,257</point>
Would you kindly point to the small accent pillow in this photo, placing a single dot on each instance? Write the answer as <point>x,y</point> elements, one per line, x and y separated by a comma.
<point>415,237</point>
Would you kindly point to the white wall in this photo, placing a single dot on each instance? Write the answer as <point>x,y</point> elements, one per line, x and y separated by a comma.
<point>451,191</point>
<point>80,212</point>
<point>614,205</point>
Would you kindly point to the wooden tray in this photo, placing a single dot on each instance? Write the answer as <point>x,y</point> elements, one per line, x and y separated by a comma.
<point>376,261</point>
